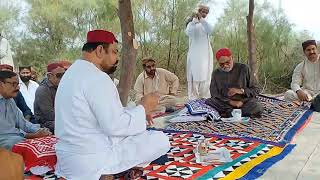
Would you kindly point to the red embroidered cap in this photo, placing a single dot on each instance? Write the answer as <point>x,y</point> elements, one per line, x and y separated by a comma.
<point>223,52</point>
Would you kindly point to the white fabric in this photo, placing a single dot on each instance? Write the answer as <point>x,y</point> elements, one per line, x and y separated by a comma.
<point>197,89</point>
<point>306,76</point>
<point>29,92</point>
<point>5,52</point>
<point>200,55</point>
<point>96,134</point>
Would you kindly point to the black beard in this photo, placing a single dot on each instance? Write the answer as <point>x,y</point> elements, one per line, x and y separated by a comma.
<point>111,70</point>
<point>25,78</point>
<point>151,73</point>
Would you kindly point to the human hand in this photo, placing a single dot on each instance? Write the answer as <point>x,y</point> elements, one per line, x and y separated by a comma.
<point>234,91</point>
<point>149,119</point>
<point>302,96</point>
<point>150,102</point>
<point>28,117</point>
<point>237,104</point>
<point>42,132</point>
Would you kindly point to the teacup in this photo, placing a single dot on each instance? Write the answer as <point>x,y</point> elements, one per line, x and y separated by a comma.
<point>236,113</point>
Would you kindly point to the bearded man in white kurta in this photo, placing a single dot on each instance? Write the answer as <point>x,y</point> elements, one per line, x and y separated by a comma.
<point>97,136</point>
<point>200,55</point>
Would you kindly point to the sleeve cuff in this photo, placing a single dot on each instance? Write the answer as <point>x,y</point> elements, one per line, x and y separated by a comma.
<point>296,88</point>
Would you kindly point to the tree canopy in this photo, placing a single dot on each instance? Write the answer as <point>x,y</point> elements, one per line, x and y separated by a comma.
<point>41,31</point>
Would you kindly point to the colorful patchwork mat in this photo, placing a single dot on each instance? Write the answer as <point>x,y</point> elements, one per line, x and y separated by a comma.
<point>279,123</point>
<point>250,159</point>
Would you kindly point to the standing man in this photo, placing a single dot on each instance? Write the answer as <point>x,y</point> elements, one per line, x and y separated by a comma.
<point>305,84</point>
<point>232,87</point>
<point>27,86</point>
<point>97,136</point>
<point>45,96</point>
<point>5,52</point>
<point>157,80</point>
<point>200,55</point>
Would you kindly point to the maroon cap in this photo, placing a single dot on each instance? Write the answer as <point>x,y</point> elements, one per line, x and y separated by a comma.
<point>6,66</point>
<point>101,36</point>
<point>53,66</point>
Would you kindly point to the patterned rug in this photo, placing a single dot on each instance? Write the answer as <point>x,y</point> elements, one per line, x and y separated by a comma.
<point>250,159</point>
<point>279,123</point>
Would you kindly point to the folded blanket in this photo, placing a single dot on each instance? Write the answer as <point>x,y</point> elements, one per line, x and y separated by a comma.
<point>199,107</point>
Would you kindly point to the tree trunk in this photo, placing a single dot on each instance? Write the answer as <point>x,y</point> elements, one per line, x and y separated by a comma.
<point>252,42</point>
<point>128,51</point>
<point>171,32</point>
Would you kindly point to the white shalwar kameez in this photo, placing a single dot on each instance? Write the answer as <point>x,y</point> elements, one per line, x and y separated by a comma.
<point>199,59</point>
<point>96,134</point>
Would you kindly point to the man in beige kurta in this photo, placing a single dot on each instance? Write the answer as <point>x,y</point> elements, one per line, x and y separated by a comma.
<point>305,83</point>
<point>157,80</point>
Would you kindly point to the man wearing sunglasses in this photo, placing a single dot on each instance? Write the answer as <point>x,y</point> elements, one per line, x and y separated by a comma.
<point>13,127</point>
<point>232,87</point>
<point>45,95</point>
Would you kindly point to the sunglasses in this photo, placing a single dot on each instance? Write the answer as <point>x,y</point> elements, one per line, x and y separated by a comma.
<point>59,75</point>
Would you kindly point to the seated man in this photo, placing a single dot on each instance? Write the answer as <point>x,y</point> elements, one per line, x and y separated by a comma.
<point>97,136</point>
<point>19,100</point>
<point>157,80</point>
<point>45,95</point>
<point>305,84</point>
<point>13,127</point>
<point>232,87</point>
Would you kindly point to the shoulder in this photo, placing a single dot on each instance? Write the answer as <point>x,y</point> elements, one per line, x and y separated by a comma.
<point>34,84</point>
<point>242,66</point>
<point>162,70</point>
<point>300,65</point>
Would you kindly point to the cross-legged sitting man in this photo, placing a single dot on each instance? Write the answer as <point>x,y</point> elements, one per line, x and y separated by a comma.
<point>97,136</point>
<point>232,87</point>
<point>13,127</point>
<point>305,84</point>
<point>160,81</point>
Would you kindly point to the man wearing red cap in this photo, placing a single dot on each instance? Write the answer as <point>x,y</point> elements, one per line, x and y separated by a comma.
<point>305,84</point>
<point>232,87</point>
<point>200,55</point>
<point>45,96</point>
<point>96,135</point>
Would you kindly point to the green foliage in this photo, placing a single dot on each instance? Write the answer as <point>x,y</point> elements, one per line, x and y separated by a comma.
<point>56,29</point>
<point>278,46</point>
